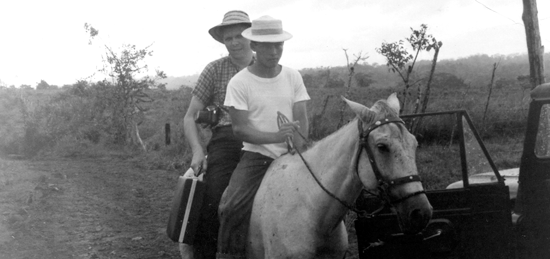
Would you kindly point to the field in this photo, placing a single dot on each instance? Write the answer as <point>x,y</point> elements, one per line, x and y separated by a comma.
<point>85,198</point>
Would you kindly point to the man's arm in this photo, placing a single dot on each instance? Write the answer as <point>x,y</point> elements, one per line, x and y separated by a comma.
<point>191,130</point>
<point>243,131</point>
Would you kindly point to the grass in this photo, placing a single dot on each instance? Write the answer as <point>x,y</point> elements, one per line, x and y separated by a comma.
<point>504,121</point>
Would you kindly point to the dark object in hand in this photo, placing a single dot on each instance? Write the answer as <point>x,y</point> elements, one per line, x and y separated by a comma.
<point>210,115</point>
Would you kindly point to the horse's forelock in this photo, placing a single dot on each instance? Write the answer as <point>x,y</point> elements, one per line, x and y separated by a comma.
<point>383,110</point>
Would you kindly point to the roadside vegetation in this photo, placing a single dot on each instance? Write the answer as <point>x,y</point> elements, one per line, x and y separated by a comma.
<point>68,122</point>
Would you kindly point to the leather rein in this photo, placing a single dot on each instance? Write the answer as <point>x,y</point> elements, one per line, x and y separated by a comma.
<point>383,185</point>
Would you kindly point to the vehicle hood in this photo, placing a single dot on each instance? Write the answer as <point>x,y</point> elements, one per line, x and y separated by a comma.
<point>511,177</point>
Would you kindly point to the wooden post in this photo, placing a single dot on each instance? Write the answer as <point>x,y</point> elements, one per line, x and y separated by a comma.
<point>534,47</point>
<point>532,242</point>
<point>167,133</point>
<point>489,95</point>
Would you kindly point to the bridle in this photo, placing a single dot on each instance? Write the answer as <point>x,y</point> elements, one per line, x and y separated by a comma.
<point>383,185</point>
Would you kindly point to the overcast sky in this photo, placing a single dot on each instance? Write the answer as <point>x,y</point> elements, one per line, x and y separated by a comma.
<point>45,40</point>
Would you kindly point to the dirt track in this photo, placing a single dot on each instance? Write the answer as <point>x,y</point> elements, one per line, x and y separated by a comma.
<point>84,209</point>
<point>89,209</point>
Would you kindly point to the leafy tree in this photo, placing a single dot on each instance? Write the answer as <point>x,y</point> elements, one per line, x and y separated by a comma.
<point>42,85</point>
<point>80,88</point>
<point>335,83</point>
<point>447,81</point>
<point>363,79</point>
<point>308,81</point>
<point>400,61</point>
<point>503,83</point>
<point>524,82</point>
<point>128,96</point>
<point>25,87</point>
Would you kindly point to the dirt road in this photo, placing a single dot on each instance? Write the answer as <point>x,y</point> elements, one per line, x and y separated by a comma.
<point>84,209</point>
<point>89,209</point>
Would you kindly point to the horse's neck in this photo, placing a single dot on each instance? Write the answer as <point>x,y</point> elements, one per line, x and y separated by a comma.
<point>333,162</point>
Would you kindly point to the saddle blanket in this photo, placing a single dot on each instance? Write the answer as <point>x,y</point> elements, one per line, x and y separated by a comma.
<point>186,207</point>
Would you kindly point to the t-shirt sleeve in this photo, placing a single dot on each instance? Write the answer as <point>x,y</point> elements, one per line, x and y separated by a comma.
<point>236,95</point>
<point>300,91</point>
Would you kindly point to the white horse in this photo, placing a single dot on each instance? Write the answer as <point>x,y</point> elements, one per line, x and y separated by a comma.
<point>299,208</point>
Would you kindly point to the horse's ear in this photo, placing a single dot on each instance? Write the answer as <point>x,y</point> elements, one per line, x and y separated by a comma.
<point>363,112</point>
<point>393,102</point>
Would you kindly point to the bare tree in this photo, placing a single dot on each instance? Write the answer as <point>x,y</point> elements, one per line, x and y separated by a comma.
<point>351,72</point>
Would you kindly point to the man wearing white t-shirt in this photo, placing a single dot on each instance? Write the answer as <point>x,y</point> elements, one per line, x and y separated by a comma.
<point>254,96</point>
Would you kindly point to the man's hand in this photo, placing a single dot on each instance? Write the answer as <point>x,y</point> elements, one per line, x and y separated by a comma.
<point>190,127</point>
<point>286,130</point>
<point>198,162</point>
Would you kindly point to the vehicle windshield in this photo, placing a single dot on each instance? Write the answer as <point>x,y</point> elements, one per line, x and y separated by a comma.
<point>542,148</point>
<point>439,157</point>
<point>475,158</point>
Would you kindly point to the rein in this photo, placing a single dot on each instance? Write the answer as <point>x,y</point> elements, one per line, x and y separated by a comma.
<point>383,185</point>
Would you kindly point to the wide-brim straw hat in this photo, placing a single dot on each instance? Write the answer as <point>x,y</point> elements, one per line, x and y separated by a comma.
<point>266,29</point>
<point>230,18</point>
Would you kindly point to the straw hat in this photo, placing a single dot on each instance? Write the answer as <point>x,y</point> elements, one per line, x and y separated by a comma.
<point>230,18</point>
<point>266,29</point>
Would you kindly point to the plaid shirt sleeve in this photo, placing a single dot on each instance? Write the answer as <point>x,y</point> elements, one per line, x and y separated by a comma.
<point>204,89</point>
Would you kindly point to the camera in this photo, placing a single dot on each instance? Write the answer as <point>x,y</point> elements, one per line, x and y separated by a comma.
<point>210,115</point>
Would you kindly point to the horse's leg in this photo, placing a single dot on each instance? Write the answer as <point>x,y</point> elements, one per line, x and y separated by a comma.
<point>337,243</point>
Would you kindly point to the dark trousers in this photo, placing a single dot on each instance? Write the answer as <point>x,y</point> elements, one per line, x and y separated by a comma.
<point>236,204</point>
<point>223,151</point>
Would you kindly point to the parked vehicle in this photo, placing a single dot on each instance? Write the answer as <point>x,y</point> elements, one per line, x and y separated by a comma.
<point>511,179</point>
<point>488,213</point>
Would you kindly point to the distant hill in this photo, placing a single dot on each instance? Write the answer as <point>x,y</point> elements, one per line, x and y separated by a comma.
<point>474,70</point>
<point>176,82</point>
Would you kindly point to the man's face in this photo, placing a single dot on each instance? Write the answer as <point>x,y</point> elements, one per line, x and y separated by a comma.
<point>236,44</point>
<point>268,53</point>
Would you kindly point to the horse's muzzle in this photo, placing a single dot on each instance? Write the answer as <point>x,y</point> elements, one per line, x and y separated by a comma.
<point>417,214</point>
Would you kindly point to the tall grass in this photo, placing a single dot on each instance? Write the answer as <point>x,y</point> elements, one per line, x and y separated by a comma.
<point>71,123</point>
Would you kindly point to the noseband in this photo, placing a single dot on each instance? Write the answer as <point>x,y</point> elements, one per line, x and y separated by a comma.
<point>383,185</point>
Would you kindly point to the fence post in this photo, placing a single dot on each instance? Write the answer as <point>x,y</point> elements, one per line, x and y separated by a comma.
<point>167,133</point>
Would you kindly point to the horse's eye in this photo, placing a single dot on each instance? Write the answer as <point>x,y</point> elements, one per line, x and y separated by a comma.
<point>382,147</point>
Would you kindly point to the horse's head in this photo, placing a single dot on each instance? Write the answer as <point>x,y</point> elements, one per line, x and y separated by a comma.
<point>386,162</point>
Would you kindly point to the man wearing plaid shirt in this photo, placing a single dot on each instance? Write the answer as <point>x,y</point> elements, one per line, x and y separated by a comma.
<point>223,149</point>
